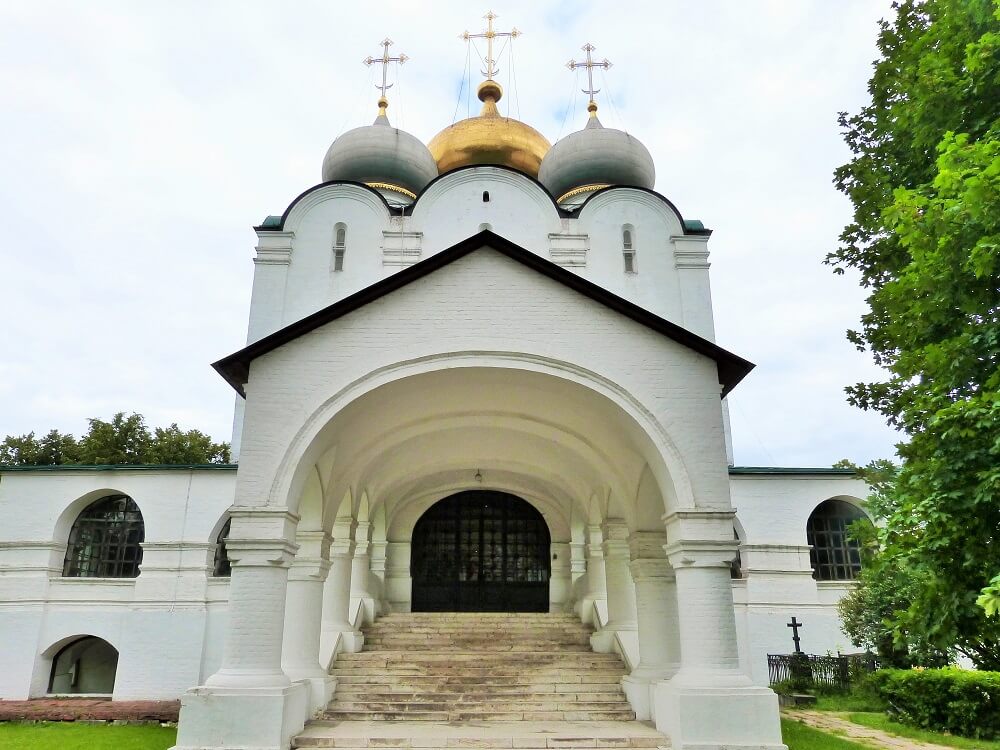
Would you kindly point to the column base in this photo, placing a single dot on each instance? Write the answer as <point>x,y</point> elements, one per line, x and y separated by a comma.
<point>639,685</point>
<point>321,691</point>
<point>229,718</point>
<point>716,717</point>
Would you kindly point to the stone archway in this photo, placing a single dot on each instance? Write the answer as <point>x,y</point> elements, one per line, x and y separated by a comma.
<point>481,551</point>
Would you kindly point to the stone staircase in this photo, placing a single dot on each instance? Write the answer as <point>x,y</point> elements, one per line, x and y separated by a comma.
<point>478,680</point>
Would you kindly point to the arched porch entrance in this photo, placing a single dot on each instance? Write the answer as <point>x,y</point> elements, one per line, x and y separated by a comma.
<point>481,551</point>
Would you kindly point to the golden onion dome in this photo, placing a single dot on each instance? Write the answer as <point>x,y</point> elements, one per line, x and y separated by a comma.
<point>489,138</point>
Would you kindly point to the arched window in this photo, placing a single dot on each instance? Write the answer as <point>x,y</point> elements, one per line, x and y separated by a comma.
<point>834,554</point>
<point>86,665</point>
<point>222,568</point>
<point>628,250</point>
<point>106,540</point>
<point>339,246</point>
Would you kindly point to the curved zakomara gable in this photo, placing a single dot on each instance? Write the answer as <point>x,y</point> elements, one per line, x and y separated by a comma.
<point>305,200</point>
<point>297,466</point>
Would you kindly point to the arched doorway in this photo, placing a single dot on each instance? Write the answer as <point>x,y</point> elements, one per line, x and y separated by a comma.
<point>481,551</point>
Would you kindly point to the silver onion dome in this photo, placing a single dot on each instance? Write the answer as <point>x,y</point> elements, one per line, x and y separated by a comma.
<point>593,158</point>
<point>381,156</point>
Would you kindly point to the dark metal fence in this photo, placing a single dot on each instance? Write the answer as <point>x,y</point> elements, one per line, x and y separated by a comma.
<point>811,670</point>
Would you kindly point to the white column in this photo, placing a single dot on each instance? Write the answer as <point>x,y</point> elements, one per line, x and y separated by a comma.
<point>250,702</point>
<point>597,591</point>
<point>337,627</point>
<point>560,581</point>
<point>361,572</point>
<point>303,616</point>
<point>621,624</point>
<point>260,559</point>
<point>656,610</point>
<point>377,578</point>
<point>700,549</point>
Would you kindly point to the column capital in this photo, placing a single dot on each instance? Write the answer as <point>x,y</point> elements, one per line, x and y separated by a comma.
<point>309,569</point>
<point>702,525</point>
<point>260,553</point>
<point>342,548</point>
<point>689,553</point>
<point>262,522</point>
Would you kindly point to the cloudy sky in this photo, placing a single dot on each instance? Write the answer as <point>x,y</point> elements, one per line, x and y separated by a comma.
<point>140,142</point>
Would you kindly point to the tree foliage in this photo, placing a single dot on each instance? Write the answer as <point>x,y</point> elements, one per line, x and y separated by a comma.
<point>125,439</point>
<point>925,238</point>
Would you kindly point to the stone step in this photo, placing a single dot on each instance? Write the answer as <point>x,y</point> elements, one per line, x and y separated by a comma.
<point>436,704</point>
<point>477,715</point>
<point>470,675</point>
<point>383,658</point>
<point>397,692</point>
<point>530,735</point>
<point>457,682</point>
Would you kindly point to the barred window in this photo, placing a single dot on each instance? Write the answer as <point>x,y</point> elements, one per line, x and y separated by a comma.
<point>339,247</point>
<point>222,568</point>
<point>106,540</point>
<point>834,554</point>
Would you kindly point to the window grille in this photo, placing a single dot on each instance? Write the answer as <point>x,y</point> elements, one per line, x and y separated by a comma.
<point>106,540</point>
<point>221,567</point>
<point>339,247</point>
<point>834,554</point>
<point>628,251</point>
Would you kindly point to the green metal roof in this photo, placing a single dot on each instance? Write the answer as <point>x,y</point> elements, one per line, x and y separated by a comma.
<point>123,467</point>
<point>791,471</point>
<point>270,222</point>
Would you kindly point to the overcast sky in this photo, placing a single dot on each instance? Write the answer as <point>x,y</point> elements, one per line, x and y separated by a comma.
<point>140,142</point>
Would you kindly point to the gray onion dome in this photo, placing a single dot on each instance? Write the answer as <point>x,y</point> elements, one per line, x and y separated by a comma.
<point>596,157</point>
<point>381,156</point>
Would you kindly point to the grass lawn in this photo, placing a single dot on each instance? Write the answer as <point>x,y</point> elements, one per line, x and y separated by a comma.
<point>70,736</point>
<point>800,737</point>
<point>851,702</point>
<point>881,721</point>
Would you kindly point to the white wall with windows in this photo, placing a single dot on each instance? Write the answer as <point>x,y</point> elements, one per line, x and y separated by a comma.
<point>166,625</point>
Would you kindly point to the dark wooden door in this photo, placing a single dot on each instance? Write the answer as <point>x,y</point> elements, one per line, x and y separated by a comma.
<point>481,551</point>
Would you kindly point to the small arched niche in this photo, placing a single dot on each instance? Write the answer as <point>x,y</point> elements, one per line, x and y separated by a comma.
<point>85,666</point>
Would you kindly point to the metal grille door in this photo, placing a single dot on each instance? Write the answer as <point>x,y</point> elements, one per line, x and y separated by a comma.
<point>481,551</point>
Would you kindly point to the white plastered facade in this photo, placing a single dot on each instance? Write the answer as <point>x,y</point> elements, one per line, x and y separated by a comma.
<point>615,432</point>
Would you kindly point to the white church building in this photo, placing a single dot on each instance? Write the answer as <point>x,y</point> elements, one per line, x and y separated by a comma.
<point>481,376</point>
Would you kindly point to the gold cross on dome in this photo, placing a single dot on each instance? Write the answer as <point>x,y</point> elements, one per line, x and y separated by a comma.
<point>384,60</point>
<point>589,64</point>
<point>489,35</point>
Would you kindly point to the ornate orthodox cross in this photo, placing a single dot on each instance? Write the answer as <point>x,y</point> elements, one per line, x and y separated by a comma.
<point>795,625</point>
<point>589,64</point>
<point>385,60</point>
<point>489,35</point>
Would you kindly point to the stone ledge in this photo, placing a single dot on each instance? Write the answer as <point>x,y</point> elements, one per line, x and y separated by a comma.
<point>89,709</point>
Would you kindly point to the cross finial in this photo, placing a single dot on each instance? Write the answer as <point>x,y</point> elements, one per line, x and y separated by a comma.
<point>384,61</point>
<point>489,35</point>
<point>589,64</point>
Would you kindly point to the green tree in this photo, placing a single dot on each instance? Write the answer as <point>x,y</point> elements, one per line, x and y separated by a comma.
<point>925,238</point>
<point>886,584</point>
<point>125,439</point>
<point>27,450</point>
<point>175,446</point>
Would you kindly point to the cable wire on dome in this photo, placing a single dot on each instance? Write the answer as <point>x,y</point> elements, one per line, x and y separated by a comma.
<point>574,94</point>
<point>354,99</point>
<point>614,107</point>
<point>461,87</point>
